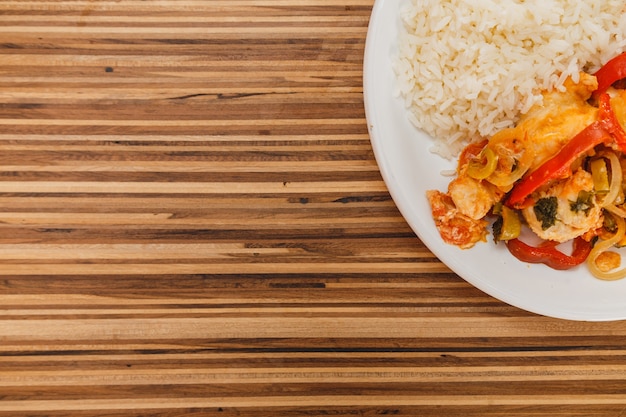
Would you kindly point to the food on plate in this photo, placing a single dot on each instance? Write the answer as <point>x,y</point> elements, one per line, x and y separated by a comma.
<point>558,172</point>
<point>467,69</point>
<point>526,95</point>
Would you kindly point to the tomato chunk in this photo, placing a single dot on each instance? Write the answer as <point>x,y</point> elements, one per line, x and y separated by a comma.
<point>614,70</point>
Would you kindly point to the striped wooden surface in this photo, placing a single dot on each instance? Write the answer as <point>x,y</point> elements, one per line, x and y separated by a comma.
<point>192,223</point>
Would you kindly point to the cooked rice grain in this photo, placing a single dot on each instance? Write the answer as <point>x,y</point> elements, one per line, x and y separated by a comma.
<point>468,68</point>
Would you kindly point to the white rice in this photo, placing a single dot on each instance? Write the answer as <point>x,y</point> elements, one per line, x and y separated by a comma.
<point>468,68</point>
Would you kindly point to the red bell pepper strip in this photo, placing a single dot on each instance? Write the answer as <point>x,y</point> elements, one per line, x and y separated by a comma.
<point>558,166</point>
<point>547,253</point>
<point>614,70</point>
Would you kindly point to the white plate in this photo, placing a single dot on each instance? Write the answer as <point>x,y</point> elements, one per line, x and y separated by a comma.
<point>409,169</point>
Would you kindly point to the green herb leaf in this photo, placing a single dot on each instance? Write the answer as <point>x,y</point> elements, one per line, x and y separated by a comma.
<point>545,211</point>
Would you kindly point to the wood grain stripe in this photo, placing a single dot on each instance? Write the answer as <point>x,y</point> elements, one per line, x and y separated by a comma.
<point>340,401</point>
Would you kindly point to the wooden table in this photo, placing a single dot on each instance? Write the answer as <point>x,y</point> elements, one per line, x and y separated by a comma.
<point>192,223</point>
